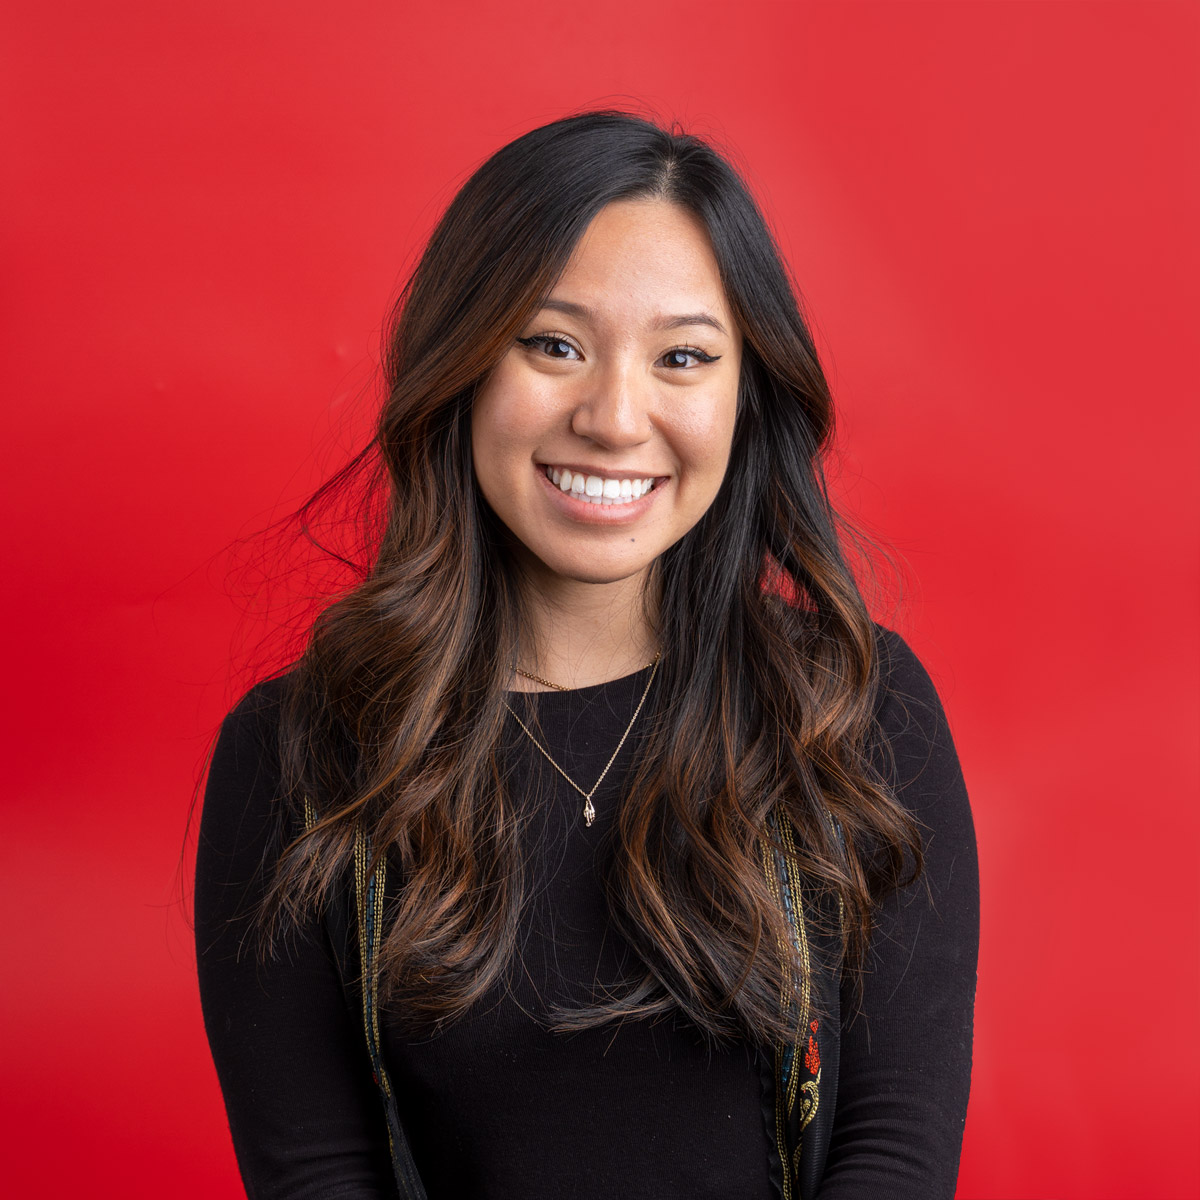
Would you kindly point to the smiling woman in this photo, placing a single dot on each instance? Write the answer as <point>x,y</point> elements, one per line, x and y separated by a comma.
<point>599,842</point>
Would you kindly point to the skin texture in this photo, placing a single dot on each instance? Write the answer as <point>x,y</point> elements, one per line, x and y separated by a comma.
<point>611,389</point>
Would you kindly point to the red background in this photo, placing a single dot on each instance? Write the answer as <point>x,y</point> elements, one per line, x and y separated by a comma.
<point>991,209</point>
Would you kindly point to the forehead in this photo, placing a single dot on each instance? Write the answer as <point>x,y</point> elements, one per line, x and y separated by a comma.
<point>644,257</point>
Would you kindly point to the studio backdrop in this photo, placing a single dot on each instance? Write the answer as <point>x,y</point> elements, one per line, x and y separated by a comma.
<point>990,209</point>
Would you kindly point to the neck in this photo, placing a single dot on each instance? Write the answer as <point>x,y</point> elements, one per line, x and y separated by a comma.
<point>585,633</point>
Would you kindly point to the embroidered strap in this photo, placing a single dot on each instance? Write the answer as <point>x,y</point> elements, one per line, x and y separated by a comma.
<point>368,903</point>
<point>368,894</point>
<point>368,897</point>
<point>798,1061</point>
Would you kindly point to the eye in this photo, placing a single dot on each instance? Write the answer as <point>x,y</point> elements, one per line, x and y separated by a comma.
<point>683,357</point>
<point>552,345</point>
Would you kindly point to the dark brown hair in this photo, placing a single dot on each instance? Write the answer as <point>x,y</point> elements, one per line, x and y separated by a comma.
<point>764,704</point>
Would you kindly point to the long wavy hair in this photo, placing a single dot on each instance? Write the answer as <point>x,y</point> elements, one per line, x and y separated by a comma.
<point>764,706</point>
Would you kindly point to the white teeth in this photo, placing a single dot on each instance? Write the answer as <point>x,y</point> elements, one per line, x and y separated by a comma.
<point>597,489</point>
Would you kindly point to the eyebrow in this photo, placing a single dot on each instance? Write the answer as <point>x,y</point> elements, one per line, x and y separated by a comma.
<point>678,322</point>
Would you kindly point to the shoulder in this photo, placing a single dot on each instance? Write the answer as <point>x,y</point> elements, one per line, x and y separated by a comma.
<point>242,789</point>
<point>903,677</point>
<point>257,713</point>
<point>250,731</point>
<point>915,751</point>
<point>906,703</point>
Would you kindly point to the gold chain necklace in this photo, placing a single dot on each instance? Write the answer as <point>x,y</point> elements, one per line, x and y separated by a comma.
<point>558,687</point>
<point>589,811</point>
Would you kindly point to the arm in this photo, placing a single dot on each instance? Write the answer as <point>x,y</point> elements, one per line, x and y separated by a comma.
<point>303,1111</point>
<point>906,1056</point>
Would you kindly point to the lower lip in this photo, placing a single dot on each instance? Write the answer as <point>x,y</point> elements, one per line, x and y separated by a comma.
<point>601,514</point>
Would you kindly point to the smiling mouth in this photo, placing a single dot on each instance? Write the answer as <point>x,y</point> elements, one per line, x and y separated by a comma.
<point>599,489</point>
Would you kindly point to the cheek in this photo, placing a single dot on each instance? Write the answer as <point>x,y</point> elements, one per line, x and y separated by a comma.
<point>706,435</point>
<point>495,426</point>
<point>510,414</point>
<point>490,443</point>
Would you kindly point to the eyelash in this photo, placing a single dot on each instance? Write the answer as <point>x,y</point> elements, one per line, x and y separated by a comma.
<point>546,339</point>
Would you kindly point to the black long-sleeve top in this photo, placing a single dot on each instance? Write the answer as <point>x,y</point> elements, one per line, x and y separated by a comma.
<point>497,1105</point>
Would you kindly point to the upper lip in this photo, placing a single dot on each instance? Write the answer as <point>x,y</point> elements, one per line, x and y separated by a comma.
<point>602,472</point>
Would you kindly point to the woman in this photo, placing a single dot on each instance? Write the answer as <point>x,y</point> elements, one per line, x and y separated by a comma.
<point>598,843</point>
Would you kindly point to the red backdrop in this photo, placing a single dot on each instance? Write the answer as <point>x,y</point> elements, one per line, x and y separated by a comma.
<point>991,209</point>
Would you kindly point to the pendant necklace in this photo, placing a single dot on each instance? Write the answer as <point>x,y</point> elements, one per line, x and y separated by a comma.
<point>589,811</point>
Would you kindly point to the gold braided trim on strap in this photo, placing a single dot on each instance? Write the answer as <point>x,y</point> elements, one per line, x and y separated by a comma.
<point>783,879</point>
<point>368,894</point>
<point>368,902</point>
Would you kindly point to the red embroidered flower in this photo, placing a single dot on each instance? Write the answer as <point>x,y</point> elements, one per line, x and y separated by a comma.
<point>812,1057</point>
<point>813,1026</point>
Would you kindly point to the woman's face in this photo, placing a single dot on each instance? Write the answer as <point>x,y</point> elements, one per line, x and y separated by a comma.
<point>603,435</point>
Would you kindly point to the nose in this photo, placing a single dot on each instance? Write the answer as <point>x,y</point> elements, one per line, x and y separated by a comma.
<point>617,409</point>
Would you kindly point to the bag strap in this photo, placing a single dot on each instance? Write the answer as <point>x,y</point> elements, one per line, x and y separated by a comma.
<point>802,1081</point>
<point>797,1068</point>
<point>368,895</point>
<point>368,907</point>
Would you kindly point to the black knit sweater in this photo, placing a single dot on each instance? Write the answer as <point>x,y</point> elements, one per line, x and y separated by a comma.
<point>497,1105</point>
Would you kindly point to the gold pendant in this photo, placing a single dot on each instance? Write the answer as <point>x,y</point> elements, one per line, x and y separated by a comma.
<point>589,813</point>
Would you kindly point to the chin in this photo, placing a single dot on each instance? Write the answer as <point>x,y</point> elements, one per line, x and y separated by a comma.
<point>594,569</point>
